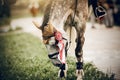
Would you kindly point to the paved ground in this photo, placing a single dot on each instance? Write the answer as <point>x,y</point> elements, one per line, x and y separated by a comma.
<point>102,45</point>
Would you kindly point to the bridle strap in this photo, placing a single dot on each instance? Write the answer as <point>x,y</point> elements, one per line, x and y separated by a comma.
<point>47,37</point>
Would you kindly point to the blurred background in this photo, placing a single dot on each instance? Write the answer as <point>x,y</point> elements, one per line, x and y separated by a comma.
<point>102,44</point>
<point>14,9</point>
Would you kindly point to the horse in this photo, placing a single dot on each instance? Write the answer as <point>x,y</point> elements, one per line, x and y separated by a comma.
<point>61,15</point>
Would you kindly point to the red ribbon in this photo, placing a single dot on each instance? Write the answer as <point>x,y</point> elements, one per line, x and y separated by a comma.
<point>59,38</point>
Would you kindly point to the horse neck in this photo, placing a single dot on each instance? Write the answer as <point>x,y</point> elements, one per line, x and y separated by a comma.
<point>55,12</point>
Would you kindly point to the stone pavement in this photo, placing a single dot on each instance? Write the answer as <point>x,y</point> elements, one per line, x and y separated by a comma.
<point>102,45</point>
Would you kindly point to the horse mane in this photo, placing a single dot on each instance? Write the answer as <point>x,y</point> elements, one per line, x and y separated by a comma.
<point>47,13</point>
<point>55,12</point>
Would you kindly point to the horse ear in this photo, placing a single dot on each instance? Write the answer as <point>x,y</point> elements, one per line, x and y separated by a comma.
<point>36,24</point>
<point>52,28</point>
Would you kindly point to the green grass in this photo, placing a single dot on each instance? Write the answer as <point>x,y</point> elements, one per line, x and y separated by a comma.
<point>24,57</point>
